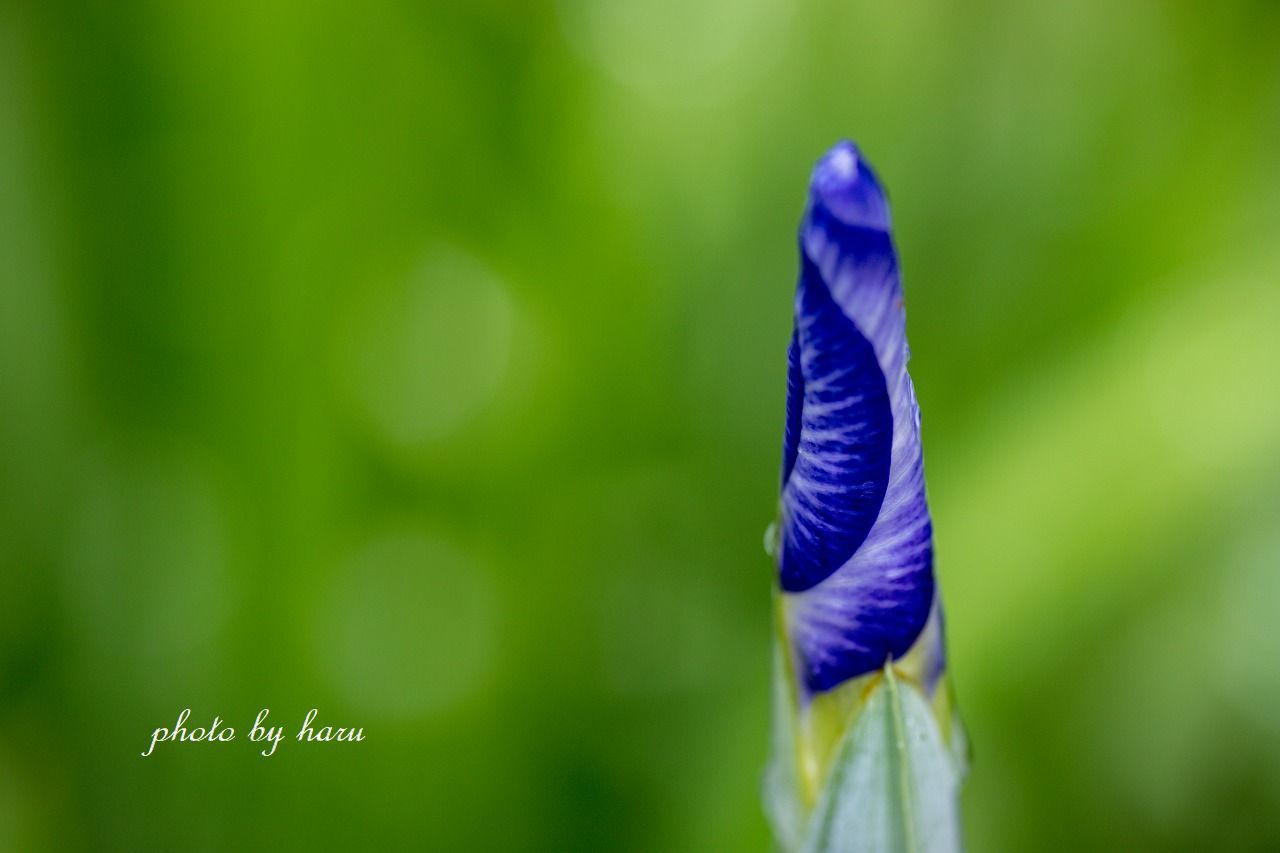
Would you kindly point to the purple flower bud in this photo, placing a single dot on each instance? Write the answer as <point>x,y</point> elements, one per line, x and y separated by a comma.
<point>855,557</point>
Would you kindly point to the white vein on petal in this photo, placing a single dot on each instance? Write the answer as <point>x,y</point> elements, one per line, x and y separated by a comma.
<point>825,617</point>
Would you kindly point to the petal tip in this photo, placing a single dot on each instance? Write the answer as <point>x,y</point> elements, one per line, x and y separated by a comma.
<point>846,186</point>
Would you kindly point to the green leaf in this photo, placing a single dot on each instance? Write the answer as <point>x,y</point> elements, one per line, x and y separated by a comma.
<point>782,800</point>
<point>894,784</point>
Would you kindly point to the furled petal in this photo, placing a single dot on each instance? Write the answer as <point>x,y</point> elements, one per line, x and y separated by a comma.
<point>855,558</point>
<point>836,469</point>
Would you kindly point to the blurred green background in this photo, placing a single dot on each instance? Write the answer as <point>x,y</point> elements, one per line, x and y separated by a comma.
<point>424,364</point>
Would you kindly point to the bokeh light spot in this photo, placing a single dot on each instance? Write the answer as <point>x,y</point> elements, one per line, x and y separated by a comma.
<point>430,351</point>
<point>147,572</point>
<point>673,50</point>
<point>406,629</point>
